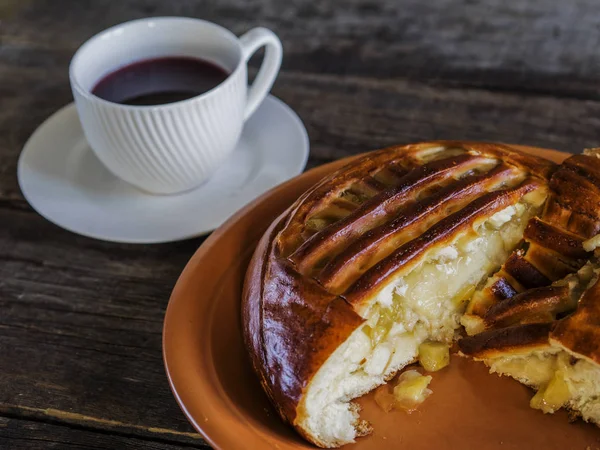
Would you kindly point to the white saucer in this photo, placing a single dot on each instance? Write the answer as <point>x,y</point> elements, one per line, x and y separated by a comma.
<point>61,178</point>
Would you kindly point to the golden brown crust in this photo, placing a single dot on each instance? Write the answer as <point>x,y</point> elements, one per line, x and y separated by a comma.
<point>317,198</point>
<point>553,244</point>
<point>551,264</point>
<point>293,319</point>
<point>580,332</point>
<point>502,341</point>
<point>360,174</point>
<point>561,242</point>
<point>539,303</point>
<point>378,208</point>
<point>376,244</point>
<point>291,324</point>
<point>524,272</point>
<point>438,235</point>
<point>503,289</point>
<point>576,205</point>
<point>586,166</point>
<point>525,318</point>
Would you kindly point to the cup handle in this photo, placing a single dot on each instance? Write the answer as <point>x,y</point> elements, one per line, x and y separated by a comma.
<point>251,42</point>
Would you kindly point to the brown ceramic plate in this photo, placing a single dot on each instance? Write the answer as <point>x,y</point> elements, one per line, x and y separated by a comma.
<point>213,382</point>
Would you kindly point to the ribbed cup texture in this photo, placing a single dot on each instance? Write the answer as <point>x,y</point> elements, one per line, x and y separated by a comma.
<point>170,148</point>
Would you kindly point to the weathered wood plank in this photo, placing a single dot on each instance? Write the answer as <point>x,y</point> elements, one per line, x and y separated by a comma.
<point>530,45</point>
<point>39,37</point>
<point>344,115</point>
<point>83,318</point>
<point>17,433</point>
<point>81,322</point>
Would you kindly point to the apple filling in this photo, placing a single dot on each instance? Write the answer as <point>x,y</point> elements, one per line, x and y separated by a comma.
<point>414,318</point>
<point>434,356</point>
<point>429,301</point>
<point>561,380</point>
<point>410,391</point>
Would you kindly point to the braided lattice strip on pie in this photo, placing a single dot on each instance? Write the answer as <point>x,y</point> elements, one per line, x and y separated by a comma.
<point>542,332</point>
<point>371,262</point>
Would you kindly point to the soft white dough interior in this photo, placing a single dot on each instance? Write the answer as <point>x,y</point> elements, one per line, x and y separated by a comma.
<point>327,412</point>
<point>536,368</point>
<point>433,295</point>
<point>533,368</point>
<point>583,379</point>
<point>424,304</point>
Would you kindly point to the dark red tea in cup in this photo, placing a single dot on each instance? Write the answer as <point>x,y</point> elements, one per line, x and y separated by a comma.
<point>159,81</point>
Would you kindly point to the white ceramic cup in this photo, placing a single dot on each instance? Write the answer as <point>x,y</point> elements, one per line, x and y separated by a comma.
<point>170,148</point>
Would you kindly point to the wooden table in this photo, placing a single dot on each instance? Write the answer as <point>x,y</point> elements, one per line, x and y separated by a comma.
<point>81,320</point>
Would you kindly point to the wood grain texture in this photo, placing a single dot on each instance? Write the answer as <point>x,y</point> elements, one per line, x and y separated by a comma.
<point>530,45</point>
<point>80,329</point>
<point>81,320</point>
<point>18,433</point>
<point>356,115</point>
